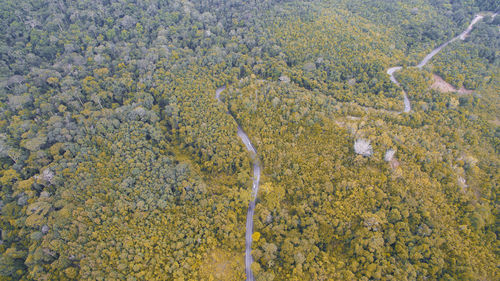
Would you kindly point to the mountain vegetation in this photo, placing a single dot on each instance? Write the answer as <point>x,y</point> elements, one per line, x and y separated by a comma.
<point>117,162</point>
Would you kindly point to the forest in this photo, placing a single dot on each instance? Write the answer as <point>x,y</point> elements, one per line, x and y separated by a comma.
<point>117,162</point>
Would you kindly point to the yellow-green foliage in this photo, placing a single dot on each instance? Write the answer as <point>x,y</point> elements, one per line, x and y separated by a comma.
<point>352,216</point>
<point>416,83</point>
<point>118,163</point>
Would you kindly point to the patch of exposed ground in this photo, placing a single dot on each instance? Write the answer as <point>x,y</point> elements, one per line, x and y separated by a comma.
<point>444,87</point>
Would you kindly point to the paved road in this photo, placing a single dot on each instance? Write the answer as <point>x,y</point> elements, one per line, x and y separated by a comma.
<point>255,188</point>
<point>429,56</point>
<point>256,165</point>
<point>391,71</point>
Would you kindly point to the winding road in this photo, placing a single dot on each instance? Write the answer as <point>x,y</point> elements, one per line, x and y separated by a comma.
<point>391,71</point>
<point>427,58</point>
<point>255,188</point>
<point>256,164</point>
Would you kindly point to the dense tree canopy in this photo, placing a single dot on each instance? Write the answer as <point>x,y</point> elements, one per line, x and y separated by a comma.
<point>118,163</point>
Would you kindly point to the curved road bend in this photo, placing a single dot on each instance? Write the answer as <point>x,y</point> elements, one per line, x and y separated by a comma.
<point>429,56</point>
<point>256,165</point>
<point>255,188</point>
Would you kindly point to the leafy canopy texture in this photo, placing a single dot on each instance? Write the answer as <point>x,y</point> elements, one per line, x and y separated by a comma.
<point>117,162</point>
